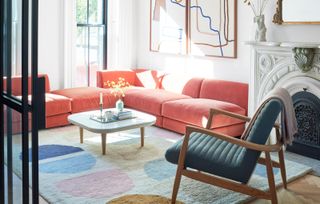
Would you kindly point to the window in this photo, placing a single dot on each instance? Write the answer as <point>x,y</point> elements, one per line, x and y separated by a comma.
<point>91,41</point>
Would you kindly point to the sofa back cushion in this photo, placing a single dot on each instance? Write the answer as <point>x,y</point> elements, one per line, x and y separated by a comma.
<point>182,84</point>
<point>16,84</point>
<point>150,79</point>
<point>232,92</point>
<point>113,75</point>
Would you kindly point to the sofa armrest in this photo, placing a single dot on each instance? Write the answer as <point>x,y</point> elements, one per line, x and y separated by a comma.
<point>113,75</point>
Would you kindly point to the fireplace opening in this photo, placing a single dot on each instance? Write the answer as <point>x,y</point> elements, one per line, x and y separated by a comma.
<point>307,109</point>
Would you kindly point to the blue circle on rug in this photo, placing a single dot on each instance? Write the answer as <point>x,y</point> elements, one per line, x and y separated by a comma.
<point>160,169</point>
<point>50,151</point>
<point>261,171</point>
<point>70,165</point>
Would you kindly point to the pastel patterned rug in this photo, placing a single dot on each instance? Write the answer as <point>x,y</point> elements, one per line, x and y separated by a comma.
<point>71,172</point>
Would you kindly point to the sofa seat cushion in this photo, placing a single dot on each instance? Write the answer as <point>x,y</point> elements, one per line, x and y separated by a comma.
<point>150,100</point>
<point>57,104</point>
<point>87,98</point>
<point>196,112</point>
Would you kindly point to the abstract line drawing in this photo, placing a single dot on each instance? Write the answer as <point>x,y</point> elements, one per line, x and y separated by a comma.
<point>208,27</point>
<point>168,27</point>
<point>219,39</point>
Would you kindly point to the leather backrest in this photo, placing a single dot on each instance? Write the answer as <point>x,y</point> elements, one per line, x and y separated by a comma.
<point>259,134</point>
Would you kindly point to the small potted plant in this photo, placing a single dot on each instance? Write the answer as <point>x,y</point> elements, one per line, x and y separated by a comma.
<point>118,90</point>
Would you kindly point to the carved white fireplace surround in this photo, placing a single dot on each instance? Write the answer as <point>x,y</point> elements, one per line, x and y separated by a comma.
<point>273,65</point>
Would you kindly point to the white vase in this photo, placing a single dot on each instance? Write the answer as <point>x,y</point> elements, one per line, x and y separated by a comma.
<point>119,105</point>
<point>261,30</point>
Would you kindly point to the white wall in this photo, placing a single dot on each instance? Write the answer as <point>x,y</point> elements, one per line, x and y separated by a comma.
<point>229,69</point>
<point>51,41</point>
<point>122,34</point>
<point>128,42</point>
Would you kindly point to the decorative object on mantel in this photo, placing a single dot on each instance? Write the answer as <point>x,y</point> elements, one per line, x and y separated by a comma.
<point>118,90</point>
<point>304,58</point>
<point>258,7</point>
<point>303,54</point>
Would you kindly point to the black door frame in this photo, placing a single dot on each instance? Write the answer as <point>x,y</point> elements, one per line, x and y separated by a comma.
<point>21,105</point>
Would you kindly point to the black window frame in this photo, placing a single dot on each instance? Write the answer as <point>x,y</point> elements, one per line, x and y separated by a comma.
<point>105,35</point>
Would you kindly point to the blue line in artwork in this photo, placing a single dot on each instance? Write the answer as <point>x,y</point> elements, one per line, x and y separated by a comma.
<point>204,16</point>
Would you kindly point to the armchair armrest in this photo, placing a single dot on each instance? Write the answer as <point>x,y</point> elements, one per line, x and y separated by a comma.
<point>239,142</point>
<point>214,111</point>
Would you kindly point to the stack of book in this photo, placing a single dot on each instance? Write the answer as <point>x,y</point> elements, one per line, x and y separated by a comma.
<point>124,115</point>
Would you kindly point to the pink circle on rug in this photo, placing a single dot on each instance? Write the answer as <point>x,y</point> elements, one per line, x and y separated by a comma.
<point>97,185</point>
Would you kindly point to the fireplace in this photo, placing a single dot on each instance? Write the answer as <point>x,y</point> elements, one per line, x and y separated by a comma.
<point>276,65</point>
<point>307,141</point>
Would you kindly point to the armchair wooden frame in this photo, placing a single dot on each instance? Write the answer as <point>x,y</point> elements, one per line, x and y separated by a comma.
<point>226,183</point>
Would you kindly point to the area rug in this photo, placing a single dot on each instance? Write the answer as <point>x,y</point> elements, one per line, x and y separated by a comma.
<point>71,172</point>
<point>142,199</point>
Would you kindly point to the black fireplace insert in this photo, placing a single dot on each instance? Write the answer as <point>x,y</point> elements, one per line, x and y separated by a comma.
<point>307,141</point>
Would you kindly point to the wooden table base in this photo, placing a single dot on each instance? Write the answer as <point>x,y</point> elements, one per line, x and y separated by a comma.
<point>104,143</point>
<point>142,136</point>
<point>81,135</point>
<point>104,139</point>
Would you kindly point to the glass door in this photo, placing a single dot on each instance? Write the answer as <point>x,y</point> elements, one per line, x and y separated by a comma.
<point>22,101</point>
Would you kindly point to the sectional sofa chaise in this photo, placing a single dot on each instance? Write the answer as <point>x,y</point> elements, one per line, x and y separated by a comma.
<point>176,100</point>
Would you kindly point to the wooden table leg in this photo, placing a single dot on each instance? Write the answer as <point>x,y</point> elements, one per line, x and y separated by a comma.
<point>142,136</point>
<point>81,135</point>
<point>104,142</point>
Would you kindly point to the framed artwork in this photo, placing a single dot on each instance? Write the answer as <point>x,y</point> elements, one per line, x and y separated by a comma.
<point>195,27</point>
<point>213,28</point>
<point>168,26</point>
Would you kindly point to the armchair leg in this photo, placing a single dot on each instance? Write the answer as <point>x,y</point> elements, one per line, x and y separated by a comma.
<point>176,184</point>
<point>272,185</point>
<point>282,168</point>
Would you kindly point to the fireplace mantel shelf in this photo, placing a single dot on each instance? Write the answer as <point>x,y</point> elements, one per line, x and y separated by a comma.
<point>303,52</point>
<point>285,44</point>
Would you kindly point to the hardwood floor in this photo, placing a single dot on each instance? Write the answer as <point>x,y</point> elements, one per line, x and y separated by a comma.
<point>305,190</point>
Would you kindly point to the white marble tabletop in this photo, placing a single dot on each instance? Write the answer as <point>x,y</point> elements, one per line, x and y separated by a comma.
<point>139,120</point>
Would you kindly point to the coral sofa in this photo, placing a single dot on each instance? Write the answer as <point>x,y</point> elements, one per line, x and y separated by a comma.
<point>178,100</point>
<point>60,104</point>
<point>57,107</point>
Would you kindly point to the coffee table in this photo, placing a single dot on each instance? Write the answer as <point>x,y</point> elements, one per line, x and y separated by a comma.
<point>140,120</point>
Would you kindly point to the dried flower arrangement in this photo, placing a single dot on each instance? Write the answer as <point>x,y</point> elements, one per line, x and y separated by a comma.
<point>257,6</point>
<point>118,88</point>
